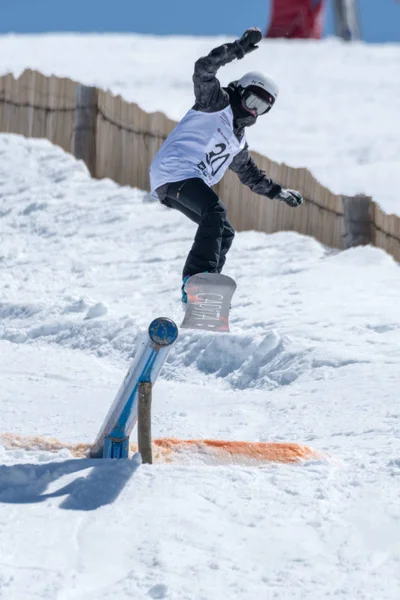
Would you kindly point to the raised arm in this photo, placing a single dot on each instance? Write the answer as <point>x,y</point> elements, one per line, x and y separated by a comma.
<point>210,97</point>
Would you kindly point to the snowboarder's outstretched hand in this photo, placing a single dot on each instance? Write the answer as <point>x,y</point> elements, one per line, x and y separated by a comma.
<point>249,39</point>
<point>290,197</point>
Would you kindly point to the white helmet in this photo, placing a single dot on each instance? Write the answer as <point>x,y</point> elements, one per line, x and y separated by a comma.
<point>259,80</point>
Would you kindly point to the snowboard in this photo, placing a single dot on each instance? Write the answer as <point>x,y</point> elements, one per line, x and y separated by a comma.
<point>209,300</point>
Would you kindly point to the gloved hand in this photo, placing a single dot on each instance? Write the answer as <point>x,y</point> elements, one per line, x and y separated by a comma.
<point>247,43</point>
<point>290,197</point>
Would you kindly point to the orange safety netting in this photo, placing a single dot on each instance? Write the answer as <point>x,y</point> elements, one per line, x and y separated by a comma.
<point>188,451</point>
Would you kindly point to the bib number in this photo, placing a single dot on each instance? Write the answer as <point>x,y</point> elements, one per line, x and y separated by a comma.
<point>215,159</point>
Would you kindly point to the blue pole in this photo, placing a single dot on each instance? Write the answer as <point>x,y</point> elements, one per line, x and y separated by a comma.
<point>112,441</point>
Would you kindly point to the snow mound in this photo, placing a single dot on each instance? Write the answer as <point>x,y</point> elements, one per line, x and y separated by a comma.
<point>250,361</point>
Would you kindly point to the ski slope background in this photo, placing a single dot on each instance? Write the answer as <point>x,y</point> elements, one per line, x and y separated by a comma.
<point>313,357</point>
<point>337,114</point>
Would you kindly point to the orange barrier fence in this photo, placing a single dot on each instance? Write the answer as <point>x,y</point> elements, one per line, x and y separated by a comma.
<point>170,450</point>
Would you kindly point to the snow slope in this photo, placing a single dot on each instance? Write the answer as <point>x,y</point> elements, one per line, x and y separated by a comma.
<point>313,357</point>
<point>338,110</point>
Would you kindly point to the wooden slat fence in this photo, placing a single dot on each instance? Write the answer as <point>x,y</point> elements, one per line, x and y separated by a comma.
<point>117,139</point>
<point>40,107</point>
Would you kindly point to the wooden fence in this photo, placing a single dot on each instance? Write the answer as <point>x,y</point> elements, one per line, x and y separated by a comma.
<point>117,139</point>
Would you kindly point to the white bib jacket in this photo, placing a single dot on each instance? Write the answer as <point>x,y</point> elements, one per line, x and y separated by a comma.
<point>201,145</point>
<point>206,142</point>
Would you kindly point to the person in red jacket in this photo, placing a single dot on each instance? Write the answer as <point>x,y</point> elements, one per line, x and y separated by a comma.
<point>302,19</point>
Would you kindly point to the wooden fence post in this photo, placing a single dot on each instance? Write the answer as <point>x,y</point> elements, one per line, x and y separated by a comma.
<point>84,135</point>
<point>358,226</point>
<point>144,422</point>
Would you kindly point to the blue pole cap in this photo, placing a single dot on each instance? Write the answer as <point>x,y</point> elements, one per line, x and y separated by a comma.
<point>163,331</point>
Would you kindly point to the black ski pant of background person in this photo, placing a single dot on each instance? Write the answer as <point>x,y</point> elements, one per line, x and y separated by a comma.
<point>214,235</point>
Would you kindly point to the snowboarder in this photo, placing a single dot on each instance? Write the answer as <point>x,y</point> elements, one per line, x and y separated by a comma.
<point>206,142</point>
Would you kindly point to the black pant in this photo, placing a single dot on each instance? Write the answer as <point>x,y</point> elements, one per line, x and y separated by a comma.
<point>214,235</point>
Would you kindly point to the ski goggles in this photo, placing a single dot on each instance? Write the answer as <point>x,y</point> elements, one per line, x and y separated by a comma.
<point>257,101</point>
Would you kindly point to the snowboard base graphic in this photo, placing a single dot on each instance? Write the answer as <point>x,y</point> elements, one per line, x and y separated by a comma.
<point>209,300</point>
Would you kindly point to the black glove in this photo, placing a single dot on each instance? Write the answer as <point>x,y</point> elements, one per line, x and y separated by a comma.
<point>247,43</point>
<point>290,197</point>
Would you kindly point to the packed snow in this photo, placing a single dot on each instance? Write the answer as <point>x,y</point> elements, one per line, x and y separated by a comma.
<point>337,114</point>
<point>312,357</point>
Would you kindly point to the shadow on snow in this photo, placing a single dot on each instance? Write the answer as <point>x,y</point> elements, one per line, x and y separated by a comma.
<point>27,483</point>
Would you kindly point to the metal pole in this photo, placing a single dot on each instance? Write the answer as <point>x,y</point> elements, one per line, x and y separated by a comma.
<point>113,437</point>
<point>144,422</point>
<point>347,20</point>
